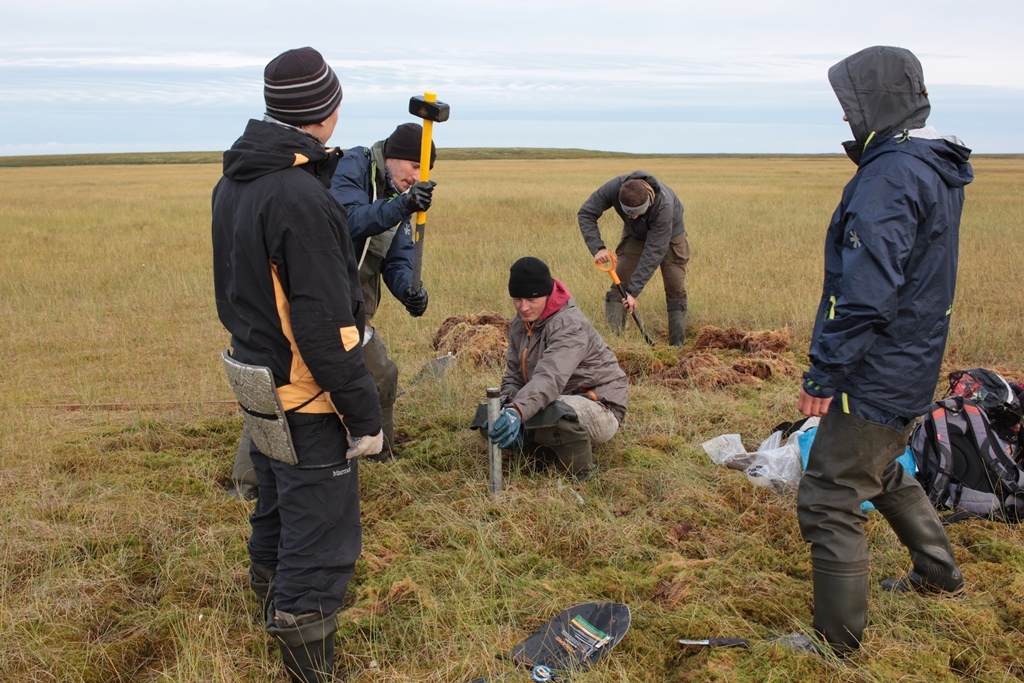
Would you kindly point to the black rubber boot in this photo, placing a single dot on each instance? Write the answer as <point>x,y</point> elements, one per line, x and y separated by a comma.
<point>676,327</point>
<point>615,315</point>
<point>261,581</point>
<point>935,570</point>
<point>840,604</point>
<point>309,662</point>
<point>307,645</point>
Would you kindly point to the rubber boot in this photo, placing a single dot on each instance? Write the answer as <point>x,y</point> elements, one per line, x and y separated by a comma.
<point>261,581</point>
<point>309,662</point>
<point>570,443</point>
<point>840,604</point>
<point>935,570</point>
<point>615,315</point>
<point>307,645</point>
<point>676,327</point>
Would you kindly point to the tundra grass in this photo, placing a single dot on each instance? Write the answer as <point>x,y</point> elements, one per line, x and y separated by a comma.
<point>122,559</point>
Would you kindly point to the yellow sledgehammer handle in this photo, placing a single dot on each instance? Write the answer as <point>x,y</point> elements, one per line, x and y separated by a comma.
<point>431,111</point>
<point>428,133</point>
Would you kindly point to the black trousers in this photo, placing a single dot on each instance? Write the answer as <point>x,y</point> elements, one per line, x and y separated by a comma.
<point>306,522</point>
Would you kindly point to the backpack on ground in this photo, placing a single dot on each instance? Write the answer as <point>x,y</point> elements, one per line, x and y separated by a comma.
<point>967,448</point>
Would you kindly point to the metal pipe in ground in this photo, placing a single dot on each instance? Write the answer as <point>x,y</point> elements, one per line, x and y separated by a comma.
<point>494,450</point>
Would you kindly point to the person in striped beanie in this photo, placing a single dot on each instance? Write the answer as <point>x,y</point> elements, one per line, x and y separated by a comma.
<point>300,88</point>
<point>287,289</point>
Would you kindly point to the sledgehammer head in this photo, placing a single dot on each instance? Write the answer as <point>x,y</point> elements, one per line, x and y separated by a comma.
<point>429,111</point>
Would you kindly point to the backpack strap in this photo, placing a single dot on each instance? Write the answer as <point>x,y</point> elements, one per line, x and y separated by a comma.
<point>998,461</point>
<point>936,430</point>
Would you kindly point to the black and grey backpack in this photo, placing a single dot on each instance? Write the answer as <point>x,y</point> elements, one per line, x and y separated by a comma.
<point>968,451</point>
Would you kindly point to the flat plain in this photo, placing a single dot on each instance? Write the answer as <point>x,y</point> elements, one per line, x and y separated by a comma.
<point>123,559</point>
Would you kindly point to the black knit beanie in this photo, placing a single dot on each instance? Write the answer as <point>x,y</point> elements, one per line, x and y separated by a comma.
<point>405,143</point>
<point>529,278</point>
<point>300,88</point>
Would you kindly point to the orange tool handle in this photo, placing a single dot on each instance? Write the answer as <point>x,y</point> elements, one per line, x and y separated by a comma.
<point>609,268</point>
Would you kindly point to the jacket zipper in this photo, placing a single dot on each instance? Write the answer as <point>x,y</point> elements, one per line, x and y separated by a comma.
<point>526,349</point>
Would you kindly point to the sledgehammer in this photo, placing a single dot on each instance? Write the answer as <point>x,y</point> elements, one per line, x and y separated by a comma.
<point>431,111</point>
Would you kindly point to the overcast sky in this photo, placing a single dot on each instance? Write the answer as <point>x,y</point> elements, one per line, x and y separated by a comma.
<point>655,76</point>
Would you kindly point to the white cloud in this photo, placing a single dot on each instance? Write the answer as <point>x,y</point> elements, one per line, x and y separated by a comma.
<point>671,61</point>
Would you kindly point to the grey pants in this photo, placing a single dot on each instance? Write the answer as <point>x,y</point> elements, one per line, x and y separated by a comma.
<point>565,430</point>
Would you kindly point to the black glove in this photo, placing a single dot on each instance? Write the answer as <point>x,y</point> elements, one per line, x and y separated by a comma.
<point>415,301</point>
<point>419,196</point>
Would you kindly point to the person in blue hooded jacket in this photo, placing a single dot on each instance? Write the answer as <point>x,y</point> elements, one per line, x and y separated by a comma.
<point>878,340</point>
<point>380,188</point>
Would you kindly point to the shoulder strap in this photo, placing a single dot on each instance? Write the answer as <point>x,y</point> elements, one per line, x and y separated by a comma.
<point>937,435</point>
<point>998,461</point>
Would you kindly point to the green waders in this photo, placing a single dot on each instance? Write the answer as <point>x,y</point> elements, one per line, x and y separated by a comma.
<point>243,476</point>
<point>853,460</point>
<point>553,436</point>
<point>385,376</point>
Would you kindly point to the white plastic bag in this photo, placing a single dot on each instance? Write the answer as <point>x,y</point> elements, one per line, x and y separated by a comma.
<point>727,450</point>
<point>779,466</point>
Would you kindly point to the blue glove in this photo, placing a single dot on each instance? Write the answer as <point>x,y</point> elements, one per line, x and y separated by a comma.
<point>508,430</point>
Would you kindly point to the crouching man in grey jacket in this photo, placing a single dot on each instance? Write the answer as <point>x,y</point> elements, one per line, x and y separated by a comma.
<point>563,389</point>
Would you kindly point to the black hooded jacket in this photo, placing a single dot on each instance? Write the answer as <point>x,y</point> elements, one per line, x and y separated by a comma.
<point>285,274</point>
<point>891,248</point>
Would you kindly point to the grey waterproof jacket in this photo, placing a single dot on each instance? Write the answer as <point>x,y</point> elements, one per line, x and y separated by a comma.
<point>560,354</point>
<point>656,228</point>
<point>891,248</point>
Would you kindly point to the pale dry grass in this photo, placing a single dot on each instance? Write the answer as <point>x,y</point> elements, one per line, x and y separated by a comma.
<point>121,559</point>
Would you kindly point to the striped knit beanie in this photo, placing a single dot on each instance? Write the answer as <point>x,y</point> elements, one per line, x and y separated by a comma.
<point>300,88</point>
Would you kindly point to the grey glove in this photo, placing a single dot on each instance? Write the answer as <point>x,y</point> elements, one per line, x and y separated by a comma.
<point>365,445</point>
<point>419,196</point>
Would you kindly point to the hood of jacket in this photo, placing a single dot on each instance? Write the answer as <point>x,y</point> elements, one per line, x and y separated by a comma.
<point>947,157</point>
<point>266,147</point>
<point>381,175</point>
<point>881,90</point>
<point>559,297</point>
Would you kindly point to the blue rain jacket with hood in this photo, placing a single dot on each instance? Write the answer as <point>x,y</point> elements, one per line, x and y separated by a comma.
<point>891,248</point>
<point>363,185</point>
